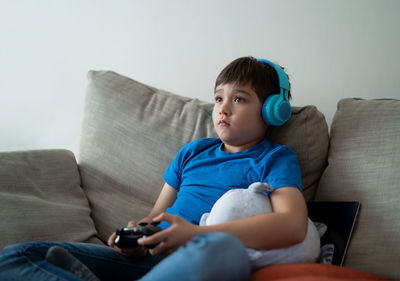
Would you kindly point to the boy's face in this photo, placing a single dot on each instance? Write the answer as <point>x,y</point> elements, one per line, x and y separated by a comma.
<point>237,116</point>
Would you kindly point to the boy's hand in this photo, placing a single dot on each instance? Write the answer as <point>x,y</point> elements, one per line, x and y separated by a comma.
<point>180,232</point>
<point>135,252</point>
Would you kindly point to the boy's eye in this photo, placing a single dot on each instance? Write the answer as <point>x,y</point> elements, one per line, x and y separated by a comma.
<point>218,99</point>
<point>238,99</point>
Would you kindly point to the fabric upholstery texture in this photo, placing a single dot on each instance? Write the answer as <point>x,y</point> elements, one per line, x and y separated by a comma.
<point>131,133</point>
<point>364,165</point>
<point>307,134</point>
<point>41,198</point>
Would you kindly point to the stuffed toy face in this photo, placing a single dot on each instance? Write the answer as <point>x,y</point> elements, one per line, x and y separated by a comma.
<point>242,203</point>
<point>238,204</point>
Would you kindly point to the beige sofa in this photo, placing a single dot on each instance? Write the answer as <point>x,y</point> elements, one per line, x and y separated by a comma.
<point>130,134</point>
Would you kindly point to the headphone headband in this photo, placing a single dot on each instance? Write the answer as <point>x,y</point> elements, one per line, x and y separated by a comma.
<point>282,77</point>
<point>276,109</point>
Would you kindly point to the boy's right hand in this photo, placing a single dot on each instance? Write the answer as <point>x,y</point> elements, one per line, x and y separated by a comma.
<point>135,252</point>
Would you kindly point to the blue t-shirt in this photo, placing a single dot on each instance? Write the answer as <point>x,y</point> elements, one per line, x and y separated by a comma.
<point>202,173</point>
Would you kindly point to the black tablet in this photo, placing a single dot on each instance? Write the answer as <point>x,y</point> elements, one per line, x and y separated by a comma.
<point>340,218</point>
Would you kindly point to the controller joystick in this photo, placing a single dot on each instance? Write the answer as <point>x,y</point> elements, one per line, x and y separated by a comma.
<point>127,236</point>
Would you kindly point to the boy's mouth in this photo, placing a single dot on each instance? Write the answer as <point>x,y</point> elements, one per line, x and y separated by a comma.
<point>223,123</point>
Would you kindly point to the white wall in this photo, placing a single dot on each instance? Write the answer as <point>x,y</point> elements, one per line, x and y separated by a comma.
<point>331,49</point>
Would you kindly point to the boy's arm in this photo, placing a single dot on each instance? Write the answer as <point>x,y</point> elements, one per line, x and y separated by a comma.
<point>285,226</point>
<point>165,200</point>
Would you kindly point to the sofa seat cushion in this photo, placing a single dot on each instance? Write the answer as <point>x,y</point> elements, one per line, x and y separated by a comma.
<point>311,272</point>
<point>41,198</point>
<point>364,166</point>
<point>132,131</point>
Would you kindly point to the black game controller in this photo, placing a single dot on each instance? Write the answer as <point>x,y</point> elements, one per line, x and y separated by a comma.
<point>127,236</point>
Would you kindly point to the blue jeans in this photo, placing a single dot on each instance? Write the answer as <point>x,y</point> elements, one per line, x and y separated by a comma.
<point>211,256</point>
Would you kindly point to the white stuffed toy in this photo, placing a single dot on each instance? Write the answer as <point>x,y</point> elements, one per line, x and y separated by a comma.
<point>242,203</point>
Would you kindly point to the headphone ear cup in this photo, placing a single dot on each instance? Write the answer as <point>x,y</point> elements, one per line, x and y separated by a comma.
<point>268,109</point>
<point>276,110</point>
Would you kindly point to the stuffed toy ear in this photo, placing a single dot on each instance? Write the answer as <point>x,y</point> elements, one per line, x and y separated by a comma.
<point>203,219</point>
<point>260,187</point>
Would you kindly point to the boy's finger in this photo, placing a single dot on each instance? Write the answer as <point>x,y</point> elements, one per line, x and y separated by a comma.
<point>162,249</point>
<point>153,239</point>
<point>158,218</point>
<point>159,249</point>
<point>110,241</point>
<point>164,217</point>
<point>131,223</point>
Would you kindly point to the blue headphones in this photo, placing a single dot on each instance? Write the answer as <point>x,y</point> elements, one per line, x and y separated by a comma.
<point>276,109</point>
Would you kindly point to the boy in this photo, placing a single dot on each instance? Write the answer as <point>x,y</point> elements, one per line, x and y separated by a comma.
<point>201,173</point>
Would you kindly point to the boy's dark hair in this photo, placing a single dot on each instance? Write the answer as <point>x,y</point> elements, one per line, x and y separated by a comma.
<point>263,77</point>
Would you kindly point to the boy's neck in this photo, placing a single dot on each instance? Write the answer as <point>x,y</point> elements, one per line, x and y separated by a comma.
<point>238,148</point>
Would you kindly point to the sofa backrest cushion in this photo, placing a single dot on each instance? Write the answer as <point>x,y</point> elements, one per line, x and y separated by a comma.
<point>307,134</point>
<point>364,161</point>
<point>41,198</point>
<point>131,132</point>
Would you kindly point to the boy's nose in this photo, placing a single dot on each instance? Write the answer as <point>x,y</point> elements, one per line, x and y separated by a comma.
<point>224,109</point>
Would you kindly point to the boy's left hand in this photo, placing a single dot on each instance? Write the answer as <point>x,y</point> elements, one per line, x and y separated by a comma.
<point>168,240</point>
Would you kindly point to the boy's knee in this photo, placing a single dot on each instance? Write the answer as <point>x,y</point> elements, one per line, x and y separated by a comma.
<point>10,253</point>
<point>218,239</point>
<point>24,248</point>
<point>223,255</point>
<point>209,256</point>
<point>15,248</point>
<point>220,243</point>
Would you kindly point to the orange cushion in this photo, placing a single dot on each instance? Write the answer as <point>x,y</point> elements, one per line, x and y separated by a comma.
<point>310,272</point>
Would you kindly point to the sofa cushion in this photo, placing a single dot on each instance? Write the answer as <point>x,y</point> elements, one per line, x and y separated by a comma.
<point>41,198</point>
<point>307,134</point>
<point>131,133</point>
<point>364,161</point>
<point>311,272</point>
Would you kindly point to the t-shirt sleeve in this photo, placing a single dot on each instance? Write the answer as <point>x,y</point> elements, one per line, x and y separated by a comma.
<point>173,174</point>
<point>284,169</point>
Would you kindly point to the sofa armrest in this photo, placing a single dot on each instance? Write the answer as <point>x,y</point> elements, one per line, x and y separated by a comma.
<point>41,198</point>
